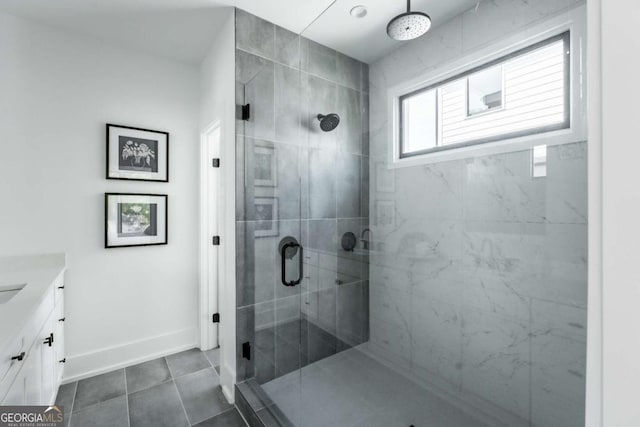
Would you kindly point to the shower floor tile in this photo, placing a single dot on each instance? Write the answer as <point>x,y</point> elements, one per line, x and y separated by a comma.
<point>352,389</point>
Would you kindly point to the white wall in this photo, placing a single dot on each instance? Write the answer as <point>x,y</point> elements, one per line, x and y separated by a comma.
<point>217,105</point>
<point>58,90</point>
<point>620,211</point>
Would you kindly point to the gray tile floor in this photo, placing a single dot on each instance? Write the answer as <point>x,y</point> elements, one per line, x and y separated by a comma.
<point>180,390</point>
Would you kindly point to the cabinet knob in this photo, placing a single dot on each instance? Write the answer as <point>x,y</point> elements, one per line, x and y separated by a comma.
<point>61,287</point>
<point>49,340</point>
<point>18,357</point>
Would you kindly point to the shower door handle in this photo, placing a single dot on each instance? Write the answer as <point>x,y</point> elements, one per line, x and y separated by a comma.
<point>283,256</point>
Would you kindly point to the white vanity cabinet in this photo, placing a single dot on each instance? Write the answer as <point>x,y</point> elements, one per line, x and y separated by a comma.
<point>32,364</point>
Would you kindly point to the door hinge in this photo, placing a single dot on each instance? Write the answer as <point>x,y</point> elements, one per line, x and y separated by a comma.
<point>246,112</point>
<point>246,350</point>
<point>216,240</point>
<point>215,163</point>
<point>216,317</point>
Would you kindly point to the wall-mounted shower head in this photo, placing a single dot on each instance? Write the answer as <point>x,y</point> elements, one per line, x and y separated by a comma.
<point>329,122</point>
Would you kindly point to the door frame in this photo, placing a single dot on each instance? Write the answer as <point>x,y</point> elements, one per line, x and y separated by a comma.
<point>210,215</point>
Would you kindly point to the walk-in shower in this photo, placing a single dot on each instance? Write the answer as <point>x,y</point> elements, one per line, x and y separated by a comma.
<point>415,254</point>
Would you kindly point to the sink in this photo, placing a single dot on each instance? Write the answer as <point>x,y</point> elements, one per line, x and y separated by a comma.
<point>7,292</point>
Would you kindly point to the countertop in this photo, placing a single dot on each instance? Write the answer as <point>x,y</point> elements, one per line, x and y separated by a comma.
<point>38,272</point>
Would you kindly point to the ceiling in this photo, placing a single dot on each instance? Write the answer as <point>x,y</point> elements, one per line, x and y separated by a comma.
<point>182,30</point>
<point>366,39</point>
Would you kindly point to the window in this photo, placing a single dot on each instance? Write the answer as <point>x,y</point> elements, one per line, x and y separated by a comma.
<point>484,90</point>
<point>523,93</point>
<point>419,118</point>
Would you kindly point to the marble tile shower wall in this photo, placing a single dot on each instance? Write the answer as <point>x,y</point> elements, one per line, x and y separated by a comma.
<point>295,180</point>
<point>478,271</point>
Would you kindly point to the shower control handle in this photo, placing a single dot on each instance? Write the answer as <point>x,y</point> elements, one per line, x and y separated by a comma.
<point>283,256</point>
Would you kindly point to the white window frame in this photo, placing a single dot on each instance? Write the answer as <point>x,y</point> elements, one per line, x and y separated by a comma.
<point>573,21</point>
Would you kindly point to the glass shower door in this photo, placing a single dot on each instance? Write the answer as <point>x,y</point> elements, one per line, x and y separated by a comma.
<point>334,306</point>
<point>305,201</point>
<point>302,206</point>
<point>269,234</point>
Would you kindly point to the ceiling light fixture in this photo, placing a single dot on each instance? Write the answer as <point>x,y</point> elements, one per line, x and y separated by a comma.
<point>409,25</point>
<point>358,11</point>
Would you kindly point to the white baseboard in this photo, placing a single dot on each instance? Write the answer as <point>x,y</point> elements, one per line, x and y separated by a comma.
<point>110,358</point>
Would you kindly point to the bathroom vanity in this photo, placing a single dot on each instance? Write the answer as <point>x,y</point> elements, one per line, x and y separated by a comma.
<point>31,328</point>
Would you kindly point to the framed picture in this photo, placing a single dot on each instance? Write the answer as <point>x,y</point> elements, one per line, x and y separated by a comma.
<point>266,217</point>
<point>135,220</point>
<point>266,171</point>
<point>137,154</point>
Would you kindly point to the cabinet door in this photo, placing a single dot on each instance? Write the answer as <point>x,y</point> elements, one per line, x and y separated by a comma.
<point>49,361</point>
<point>25,389</point>
<point>32,371</point>
<point>16,393</point>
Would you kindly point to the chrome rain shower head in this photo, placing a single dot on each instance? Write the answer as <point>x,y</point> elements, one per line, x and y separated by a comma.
<point>329,122</point>
<point>409,25</point>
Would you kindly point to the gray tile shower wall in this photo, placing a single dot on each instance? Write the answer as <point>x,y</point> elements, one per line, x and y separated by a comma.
<point>478,279</point>
<point>295,180</point>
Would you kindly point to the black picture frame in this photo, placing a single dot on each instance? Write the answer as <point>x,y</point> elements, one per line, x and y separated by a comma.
<point>114,225</point>
<point>141,168</point>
